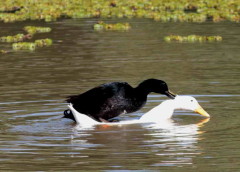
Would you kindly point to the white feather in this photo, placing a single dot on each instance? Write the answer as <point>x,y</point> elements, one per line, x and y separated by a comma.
<point>159,114</point>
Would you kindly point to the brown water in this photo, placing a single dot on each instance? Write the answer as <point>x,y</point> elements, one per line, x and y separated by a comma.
<point>33,87</point>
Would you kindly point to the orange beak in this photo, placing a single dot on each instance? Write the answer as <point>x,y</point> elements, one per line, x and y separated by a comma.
<point>202,112</point>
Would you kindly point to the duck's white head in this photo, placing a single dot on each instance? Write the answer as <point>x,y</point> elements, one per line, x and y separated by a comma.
<point>165,109</point>
<point>189,103</point>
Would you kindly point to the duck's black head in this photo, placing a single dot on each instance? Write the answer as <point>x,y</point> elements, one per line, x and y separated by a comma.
<point>156,86</point>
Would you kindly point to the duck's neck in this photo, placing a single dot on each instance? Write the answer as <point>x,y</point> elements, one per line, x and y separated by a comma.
<point>160,113</point>
<point>144,88</point>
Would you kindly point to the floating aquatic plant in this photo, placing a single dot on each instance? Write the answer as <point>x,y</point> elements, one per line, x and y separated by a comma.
<point>118,26</point>
<point>24,46</point>
<point>43,42</point>
<point>18,39</point>
<point>32,45</point>
<point>33,29</point>
<point>167,10</point>
<point>192,38</point>
<point>3,52</point>
<point>15,38</point>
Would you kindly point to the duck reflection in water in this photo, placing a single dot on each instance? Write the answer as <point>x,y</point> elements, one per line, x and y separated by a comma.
<point>172,144</point>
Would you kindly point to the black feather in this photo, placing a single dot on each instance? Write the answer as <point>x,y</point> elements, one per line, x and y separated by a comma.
<point>112,99</point>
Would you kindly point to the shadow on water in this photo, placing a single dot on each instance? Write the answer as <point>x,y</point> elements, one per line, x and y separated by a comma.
<point>34,85</point>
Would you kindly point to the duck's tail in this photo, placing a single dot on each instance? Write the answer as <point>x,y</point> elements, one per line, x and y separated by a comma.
<point>80,118</point>
<point>68,114</point>
<point>73,99</point>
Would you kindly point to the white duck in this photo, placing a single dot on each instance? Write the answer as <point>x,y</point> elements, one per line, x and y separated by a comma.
<point>158,114</point>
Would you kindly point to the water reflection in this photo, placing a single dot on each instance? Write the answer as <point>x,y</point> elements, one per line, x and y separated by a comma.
<point>178,142</point>
<point>171,144</point>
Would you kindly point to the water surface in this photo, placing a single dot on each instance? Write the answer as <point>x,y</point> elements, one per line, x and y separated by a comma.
<point>33,87</point>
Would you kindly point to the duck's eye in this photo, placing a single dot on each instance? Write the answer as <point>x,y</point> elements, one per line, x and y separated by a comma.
<point>191,100</point>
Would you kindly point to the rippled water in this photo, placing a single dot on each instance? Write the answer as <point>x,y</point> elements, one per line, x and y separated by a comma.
<point>33,87</point>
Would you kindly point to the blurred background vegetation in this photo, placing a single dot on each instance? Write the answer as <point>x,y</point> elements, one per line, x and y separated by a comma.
<point>159,10</point>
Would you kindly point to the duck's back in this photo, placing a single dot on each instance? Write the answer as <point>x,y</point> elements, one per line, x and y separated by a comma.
<point>107,100</point>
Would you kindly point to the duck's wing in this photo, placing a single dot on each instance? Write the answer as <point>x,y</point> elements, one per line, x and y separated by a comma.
<point>99,101</point>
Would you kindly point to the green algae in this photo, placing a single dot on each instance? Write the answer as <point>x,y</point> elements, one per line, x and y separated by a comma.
<point>18,39</point>
<point>192,38</point>
<point>163,10</point>
<point>3,51</point>
<point>157,10</point>
<point>32,45</point>
<point>117,26</point>
<point>33,29</point>
<point>43,42</point>
<point>24,46</point>
<point>15,38</point>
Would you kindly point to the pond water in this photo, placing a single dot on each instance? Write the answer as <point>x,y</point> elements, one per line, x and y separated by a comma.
<point>33,86</point>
